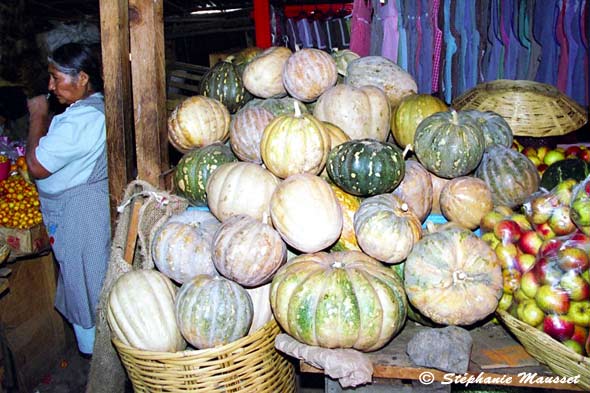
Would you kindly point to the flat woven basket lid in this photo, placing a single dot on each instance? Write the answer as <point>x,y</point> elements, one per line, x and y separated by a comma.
<point>531,108</point>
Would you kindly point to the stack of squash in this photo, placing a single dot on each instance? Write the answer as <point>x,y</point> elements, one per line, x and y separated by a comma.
<point>314,202</point>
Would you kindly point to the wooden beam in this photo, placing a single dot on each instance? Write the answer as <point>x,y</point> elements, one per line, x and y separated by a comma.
<point>118,97</point>
<point>149,89</point>
<point>262,23</point>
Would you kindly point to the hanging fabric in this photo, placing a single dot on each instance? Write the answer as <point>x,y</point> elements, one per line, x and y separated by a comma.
<point>563,49</point>
<point>376,28</point>
<point>544,29</point>
<point>389,16</point>
<point>424,56</point>
<point>360,29</point>
<point>292,33</point>
<point>412,35</point>
<point>536,48</point>
<point>304,29</point>
<point>572,29</point>
<point>522,29</point>
<point>437,46</point>
<point>450,49</point>
<point>585,32</point>
<point>402,47</point>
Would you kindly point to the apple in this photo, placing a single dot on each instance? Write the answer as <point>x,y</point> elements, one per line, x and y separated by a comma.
<point>584,155</point>
<point>540,208</point>
<point>505,301</point>
<point>535,160</point>
<point>586,275</point>
<point>530,242</point>
<point>580,334</point>
<point>574,346</point>
<point>572,150</point>
<point>581,209</point>
<point>490,239</point>
<point>587,346</point>
<point>579,312</point>
<point>530,313</point>
<point>560,221</point>
<point>516,145</point>
<point>529,284</point>
<point>545,231</point>
<point>507,254</point>
<point>553,156</point>
<point>520,296</point>
<point>550,247</point>
<point>542,152</point>
<point>547,271</point>
<point>522,221</point>
<point>507,231</point>
<point>573,258</point>
<point>542,168</point>
<point>489,220</point>
<point>576,287</point>
<point>560,327</point>
<point>525,262</point>
<point>530,151</point>
<point>564,191</point>
<point>552,299</point>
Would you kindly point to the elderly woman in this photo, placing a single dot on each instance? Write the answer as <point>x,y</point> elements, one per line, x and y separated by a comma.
<point>68,161</point>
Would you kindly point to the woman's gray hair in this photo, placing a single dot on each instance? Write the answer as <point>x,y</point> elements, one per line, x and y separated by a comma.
<point>61,68</point>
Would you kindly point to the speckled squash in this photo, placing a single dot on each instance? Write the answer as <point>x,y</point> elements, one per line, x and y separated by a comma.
<point>510,175</point>
<point>245,133</point>
<point>140,312</point>
<point>263,76</point>
<point>416,189</point>
<point>366,167</point>
<point>383,73</point>
<point>361,112</point>
<point>453,277</point>
<point>305,211</point>
<point>181,249</point>
<point>339,300</point>
<point>449,144</point>
<point>198,121</point>
<point>262,313</point>
<point>437,185</point>
<point>294,144</point>
<point>465,200</point>
<point>224,83</point>
<point>195,167</point>
<point>277,106</point>
<point>212,311</point>
<point>386,228</point>
<point>241,188</point>
<point>247,251</point>
<point>496,130</point>
<point>308,73</point>
<point>409,113</point>
<point>349,204</point>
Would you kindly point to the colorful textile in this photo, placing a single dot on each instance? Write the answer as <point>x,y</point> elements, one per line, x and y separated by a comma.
<point>360,29</point>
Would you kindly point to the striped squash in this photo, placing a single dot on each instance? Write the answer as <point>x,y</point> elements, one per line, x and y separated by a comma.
<point>263,76</point>
<point>409,113</point>
<point>308,73</point>
<point>496,130</point>
<point>245,133</point>
<point>224,83</point>
<point>349,204</point>
<point>416,189</point>
<point>277,106</point>
<point>465,200</point>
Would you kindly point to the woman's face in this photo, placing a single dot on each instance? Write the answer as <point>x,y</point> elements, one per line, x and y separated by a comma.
<point>66,88</point>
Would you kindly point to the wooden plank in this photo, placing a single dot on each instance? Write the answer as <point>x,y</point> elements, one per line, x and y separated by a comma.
<point>149,88</point>
<point>4,285</point>
<point>118,98</point>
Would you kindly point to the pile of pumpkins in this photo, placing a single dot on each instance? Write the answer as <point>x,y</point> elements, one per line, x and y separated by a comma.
<point>299,162</point>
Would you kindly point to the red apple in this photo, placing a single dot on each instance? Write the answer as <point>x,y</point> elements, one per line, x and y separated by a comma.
<point>550,247</point>
<point>580,334</point>
<point>522,221</point>
<point>560,221</point>
<point>547,272</point>
<point>545,231</point>
<point>579,312</point>
<point>574,346</point>
<point>507,231</point>
<point>530,151</point>
<point>530,313</point>
<point>540,208</point>
<point>525,262</point>
<point>530,242</point>
<point>529,284</point>
<point>572,150</point>
<point>576,287</point>
<point>489,220</point>
<point>560,327</point>
<point>573,258</point>
<point>542,168</point>
<point>552,299</point>
<point>584,155</point>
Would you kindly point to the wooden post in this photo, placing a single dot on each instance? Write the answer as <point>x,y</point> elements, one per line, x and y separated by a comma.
<point>146,23</point>
<point>118,98</point>
<point>262,23</point>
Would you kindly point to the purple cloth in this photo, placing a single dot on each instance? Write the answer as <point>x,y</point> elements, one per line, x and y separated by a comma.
<point>437,47</point>
<point>575,73</point>
<point>426,49</point>
<point>451,48</point>
<point>304,29</point>
<point>318,33</point>
<point>544,30</point>
<point>293,39</point>
<point>360,30</point>
<point>389,16</point>
<point>494,44</point>
<point>563,49</point>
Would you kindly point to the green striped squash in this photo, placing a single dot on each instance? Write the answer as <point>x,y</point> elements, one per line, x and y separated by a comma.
<point>449,144</point>
<point>224,83</point>
<point>339,300</point>
<point>195,167</point>
<point>510,175</point>
<point>277,106</point>
<point>496,130</point>
<point>366,167</point>
<point>213,311</point>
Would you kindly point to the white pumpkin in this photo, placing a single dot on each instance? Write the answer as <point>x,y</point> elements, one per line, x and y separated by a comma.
<point>263,76</point>
<point>308,73</point>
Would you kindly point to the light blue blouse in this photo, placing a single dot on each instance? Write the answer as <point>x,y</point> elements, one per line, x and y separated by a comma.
<point>74,142</point>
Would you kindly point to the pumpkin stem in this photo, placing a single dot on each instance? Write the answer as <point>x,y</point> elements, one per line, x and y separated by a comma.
<point>229,59</point>
<point>297,110</point>
<point>430,227</point>
<point>459,276</point>
<point>404,207</point>
<point>337,265</point>
<point>455,116</point>
<point>408,148</point>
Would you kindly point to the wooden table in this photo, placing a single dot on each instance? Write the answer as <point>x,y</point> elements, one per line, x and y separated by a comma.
<point>495,356</point>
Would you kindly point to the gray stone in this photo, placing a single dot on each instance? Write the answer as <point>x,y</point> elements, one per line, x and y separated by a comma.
<point>446,349</point>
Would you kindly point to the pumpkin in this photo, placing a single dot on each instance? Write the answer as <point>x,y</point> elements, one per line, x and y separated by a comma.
<point>413,314</point>
<point>141,314</point>
<point>496,130</point>
<point>247,251</point>
<point>245,133</point>
<point>195,167</point>
<point>277,106</point>
<point>449,144</point>
<point>339,300</point>
<point>453,277</point>
<point>383,73</point>
<point>349,204</point>
<point>366,167</point>
<point>416,189</point>
<point>571,168</point>
<point>409,113</point>
<point>305,211</point>
<point>244,56</point>
<point>361,112</point>
<point>241,188</point>
<point>342,57</point>
<point>262,313</point>
<point>437,185</point>
<point>386,228</point>
<point>308,73</point>
<point>224,83</point>
<point>263,76</point>
<point>510,175</point>
<point>181,249</point>
<point>465,200</point>
<point>212,311</point>
<point>198,121</point>
<point>336,134</point>
<point>294,144</point>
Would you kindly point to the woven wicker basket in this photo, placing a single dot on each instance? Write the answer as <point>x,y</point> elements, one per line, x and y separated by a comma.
<point>531,108</point>
<point>560,359</point>
<point>250,364</point>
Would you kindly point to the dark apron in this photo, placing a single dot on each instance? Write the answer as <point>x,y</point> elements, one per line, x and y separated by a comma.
<point>78,223</point>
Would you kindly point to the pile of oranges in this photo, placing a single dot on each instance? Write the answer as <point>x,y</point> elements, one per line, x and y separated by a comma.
<point>19,201</point>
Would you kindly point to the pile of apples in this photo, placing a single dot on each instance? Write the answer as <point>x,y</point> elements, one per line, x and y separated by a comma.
<point>545,263</point>
<point>543,156</point>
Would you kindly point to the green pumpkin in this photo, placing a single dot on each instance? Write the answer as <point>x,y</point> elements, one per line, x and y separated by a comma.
<point>496,130</point>
<point>510,175</point>
<point>224,83</point>
<point>242,58</point>
<point>572,168</point>
<point>195,167</point>
<point>277,106</point>
<point>366,167</point>
<point>449,144</point>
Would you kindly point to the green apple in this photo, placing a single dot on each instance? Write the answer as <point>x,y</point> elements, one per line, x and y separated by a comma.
<point>576,287</point>
<point>574,346</point>
<point>579,312</point>
<point>565,191</point>
<point>490,239</point>
<point>530,313</point>
<point>540,208</point>
<point>489,220</point>
<point>560,221</point>
<point>553,156</point>
<point>529,284</point>
<point>505,301</point>
<point>542,152</point>
<point>581,210</point>
<point>553,300</point>
<point>522,221</point>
